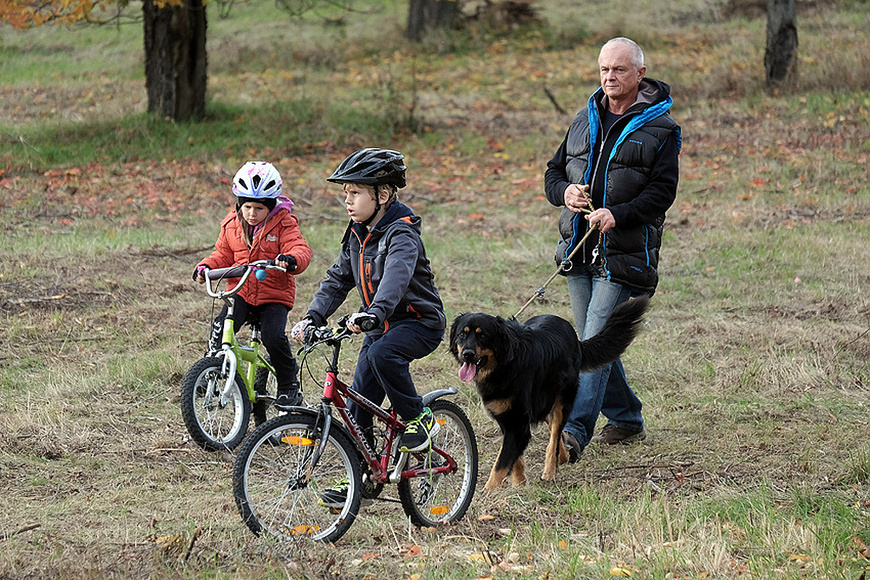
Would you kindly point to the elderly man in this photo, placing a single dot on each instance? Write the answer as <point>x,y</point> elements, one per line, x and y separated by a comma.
<point>617,168</point>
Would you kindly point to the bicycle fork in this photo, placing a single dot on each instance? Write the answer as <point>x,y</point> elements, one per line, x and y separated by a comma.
<point>230,364</point>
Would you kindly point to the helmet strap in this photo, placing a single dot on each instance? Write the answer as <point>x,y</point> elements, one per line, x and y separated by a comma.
<point>365,223</point>
<point>378,206</point>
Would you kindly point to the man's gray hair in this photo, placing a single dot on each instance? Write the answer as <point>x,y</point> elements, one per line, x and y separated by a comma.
<point>636,51</point>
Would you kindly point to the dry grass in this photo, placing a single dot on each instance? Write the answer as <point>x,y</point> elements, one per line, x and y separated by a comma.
<point>753,368</point>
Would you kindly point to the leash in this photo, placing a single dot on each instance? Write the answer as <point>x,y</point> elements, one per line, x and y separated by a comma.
<point>566,263</point>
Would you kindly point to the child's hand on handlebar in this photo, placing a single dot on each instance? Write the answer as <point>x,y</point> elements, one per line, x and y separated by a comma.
<point>198,274</point>
<point>298,332</point>
<point>361,322</point>
<point>286,261</point>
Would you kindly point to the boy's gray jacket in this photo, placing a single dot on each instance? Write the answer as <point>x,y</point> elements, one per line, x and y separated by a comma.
<point>389,267</point>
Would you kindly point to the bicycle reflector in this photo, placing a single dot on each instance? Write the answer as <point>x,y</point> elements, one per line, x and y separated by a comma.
<point>296,440</point>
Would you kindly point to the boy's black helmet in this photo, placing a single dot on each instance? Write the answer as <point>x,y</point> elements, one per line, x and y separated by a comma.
<point>371,166</point>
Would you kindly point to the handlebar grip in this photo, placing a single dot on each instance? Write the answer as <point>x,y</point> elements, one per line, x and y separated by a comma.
<point>313,334</point>
<point>289,259</point>
<point>233,272</point>
<point>367,323</point>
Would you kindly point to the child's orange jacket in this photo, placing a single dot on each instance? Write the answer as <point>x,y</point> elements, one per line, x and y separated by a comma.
<point>279,234</point>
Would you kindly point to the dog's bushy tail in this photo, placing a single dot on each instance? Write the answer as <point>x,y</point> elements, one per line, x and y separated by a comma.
<point>618,332</point>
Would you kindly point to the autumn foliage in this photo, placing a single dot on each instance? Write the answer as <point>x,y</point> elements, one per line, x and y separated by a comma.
<point>24,14</point>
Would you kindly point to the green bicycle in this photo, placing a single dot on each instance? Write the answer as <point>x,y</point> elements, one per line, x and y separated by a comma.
<point>232,381</point>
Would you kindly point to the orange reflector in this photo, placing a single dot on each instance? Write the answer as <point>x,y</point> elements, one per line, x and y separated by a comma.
<point>440,420</point>
<point>304,530</point>
<point>296,440</point>
<point>439,510</point>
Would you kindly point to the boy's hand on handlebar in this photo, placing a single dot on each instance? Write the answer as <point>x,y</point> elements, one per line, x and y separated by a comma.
<point>298,332</point>
<point>361,322</point>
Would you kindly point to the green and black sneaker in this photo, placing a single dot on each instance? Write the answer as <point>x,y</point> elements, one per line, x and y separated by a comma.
<point>419,432</point>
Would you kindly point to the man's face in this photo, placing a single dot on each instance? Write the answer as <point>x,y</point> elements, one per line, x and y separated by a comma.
<point>619,77</point>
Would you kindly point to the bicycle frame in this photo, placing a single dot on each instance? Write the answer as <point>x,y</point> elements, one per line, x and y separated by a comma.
<point>336,394</point>
<point>231,350</point>
<point>234,353</point>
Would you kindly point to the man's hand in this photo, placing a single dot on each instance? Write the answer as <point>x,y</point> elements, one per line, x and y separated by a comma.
<point>575,197</point>
<point>603,219</point>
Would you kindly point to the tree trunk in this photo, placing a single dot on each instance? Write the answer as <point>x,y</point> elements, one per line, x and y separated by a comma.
<point>426,15</point>
<point>175,59</point>
<point>780,56</point>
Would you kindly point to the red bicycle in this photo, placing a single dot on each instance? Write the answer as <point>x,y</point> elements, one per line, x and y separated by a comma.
<point>288,464</point>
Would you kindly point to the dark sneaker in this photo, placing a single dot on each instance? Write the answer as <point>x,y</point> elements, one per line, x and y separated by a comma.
<point>612,435</point>
<point>285,400</point>
<point>573,446</point>
<point>419,432</point>
<point>335,496</point>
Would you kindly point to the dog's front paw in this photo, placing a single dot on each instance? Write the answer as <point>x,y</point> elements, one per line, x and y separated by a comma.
<point>548,476</point>
<point>496,478</point>
<point>492,485</point>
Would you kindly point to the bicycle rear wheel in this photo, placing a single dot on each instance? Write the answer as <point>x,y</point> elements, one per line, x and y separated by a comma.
<point>212,425</point>
<point>430,500</point>
<point>277,490</point>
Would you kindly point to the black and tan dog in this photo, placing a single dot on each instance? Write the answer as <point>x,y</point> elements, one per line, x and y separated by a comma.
<point>526,373</point>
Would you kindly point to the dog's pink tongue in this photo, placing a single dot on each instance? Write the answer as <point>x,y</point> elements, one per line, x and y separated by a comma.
<point>467,372</point>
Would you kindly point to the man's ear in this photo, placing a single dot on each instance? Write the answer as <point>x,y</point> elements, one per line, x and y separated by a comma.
<point>384,193</point>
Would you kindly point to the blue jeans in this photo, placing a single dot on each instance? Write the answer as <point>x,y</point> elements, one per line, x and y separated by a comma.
<point>605,390</point>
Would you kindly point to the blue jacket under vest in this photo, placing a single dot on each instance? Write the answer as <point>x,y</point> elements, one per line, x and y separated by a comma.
<point>632,170</point>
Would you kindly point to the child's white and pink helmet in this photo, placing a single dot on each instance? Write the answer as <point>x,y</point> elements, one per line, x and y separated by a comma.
<point>257,181</point>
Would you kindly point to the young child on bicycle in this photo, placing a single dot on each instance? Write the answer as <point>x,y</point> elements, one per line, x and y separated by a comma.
<point>262,227</point>
<point>382,254</point>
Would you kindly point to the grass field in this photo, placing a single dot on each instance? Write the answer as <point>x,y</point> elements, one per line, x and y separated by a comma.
<point>752,366</point>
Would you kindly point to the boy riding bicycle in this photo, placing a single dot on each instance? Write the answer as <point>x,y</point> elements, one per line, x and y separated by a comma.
<point>382,254</point>
<point>262,227</point>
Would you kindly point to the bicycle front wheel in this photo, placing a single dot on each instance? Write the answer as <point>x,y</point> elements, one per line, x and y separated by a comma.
<point>213,425</point>
<point>433,499</point>
<point>280,490</point>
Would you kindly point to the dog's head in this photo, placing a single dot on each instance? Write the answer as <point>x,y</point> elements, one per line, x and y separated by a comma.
<point>480,342</point>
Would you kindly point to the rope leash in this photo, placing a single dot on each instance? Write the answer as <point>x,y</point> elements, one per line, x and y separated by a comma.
<point>566,263</point>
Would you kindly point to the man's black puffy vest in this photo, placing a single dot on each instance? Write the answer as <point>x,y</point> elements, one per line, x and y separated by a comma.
<point>630,254</point>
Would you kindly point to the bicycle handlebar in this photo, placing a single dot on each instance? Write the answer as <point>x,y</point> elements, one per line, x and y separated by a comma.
<point>242,272</point>
<point>220,273</point>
